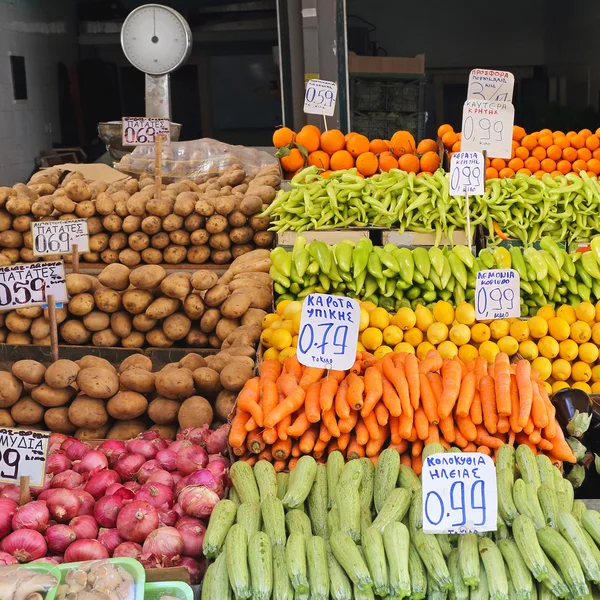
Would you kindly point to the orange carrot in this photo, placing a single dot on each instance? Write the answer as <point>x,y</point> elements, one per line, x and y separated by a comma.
<point>524,386</point>
<point>251,424</point>
<point>421,423</point>
<point>400,447</point>
<point>437,385</point>
<point>432,362</point>
<point>329,419</point>
<point>372,426</point>
<point>348,424</point>
<point>396,375</point>
<point>511,438</point>
<point>374,445</point>
<point>413,437</point>
<point>248,400</point>
<point>237,432</point>
<point>329,387</point>
<point>292,366</point>
<point>411,368</point>
<point>417,464</point>
<point>292,463</point>
<point>280,465</point>
<point>451,377</point>
<point>523,438</point>
<point>240,450</point>
<point>319,448</point>
<point>382,413</point>
<point>296,452</point>
<point>466,395</point>
<point>503,425</point>
<point>539,414</point>
<point>491,371</point>
<point>488,403</point>
<point>535,437</point>
<point>251,459</point>
<point>394,423</point>
<point>485,439</point>
<point>266,455</point>
<point>286,384</point>
<point>390,397</point>
<point>561,450</point>
<point>484,450</point>
<point>356,368</point>
<point>405,459</point>
<point>356,390</point>
<point>428,401</point>
<point>405,425</point>
<point>292,403</point>
<point>269,400</point>
<point>354,449</point>
<point>282,427</point>
<point>529,427</point>
<point>502,384</point>
<point>447,428</point>
<point>299,426</point>
<point>470,447</point>
<point>476,412</point>
<point>514,405</point>
<point>417,448</point>
<point>312,404</point>
<point>434,435</point>
<point>269,370</point>
<point>398,359</point>
<point>467,428</point>
<point>550,429</point>
<point>480,370</point>
<point>308,439</point>
<point>324,432</point>
<point>255,442</point>
<point>343,440</point>
<point>281,449</point>
<point>310,375</point>
<point>373,390</point>
<point>545,445</point>
<point>342,409</point>
<point>460,440</point>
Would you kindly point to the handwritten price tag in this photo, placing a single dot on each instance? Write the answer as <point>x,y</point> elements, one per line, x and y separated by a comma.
<point>30,284</point>
<point>142,131</point>
<point>23,452</point>
<point>497,294</point>
<point>328,332</point>
<point>487,126</point>
<point>319,98</point>
<point>59,237</point>
<point>467,174</point>
<point>459,493</point>
<point>485,84</point>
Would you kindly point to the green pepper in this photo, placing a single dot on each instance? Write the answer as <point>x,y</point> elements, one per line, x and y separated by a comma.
<point>549,245</point>
<point>471,281</point>
<point>387,303</point>
<point>487,259</point>
<point>545,284</point>
<point>459,269</point>
<point>390,288</point>
<point>435,279</point>
<point>428,286</point>
<point>343,256</point>
<point>301,260</point>
<point>284,297</point>
<point>281,259</point>
<point>399,294</point>
<point>322,254</point>
<point>324,281</point>
<point>278,277</point>
<point>313,268</point>
<point>436,256</point>
<point>465,255</point>
<point>502,258</point>
<point>389,260</point>
<point>370,285</point>
<point>459,295</point>
<point>374,266</point>
<point>445,295</point>
<point>446,272</point>
<point>412,293</point>
<point>418,277</point>
<point>568,263</point>
<point>334,274</point>
<point>295,288</point>
<point>526,286</point>
<point>553,269</point>
<point>572,283</point>
<point>574,301</point>
<point>518,262</point>
<point>590,265</point>
<point>360,255</point>
<point>406,264</point>
<point>584,292</point>
<point>421,261</point>
<point>278,288</point>
<point>596,289</point>
<point>294,274</point>
<point>537,262</point>
<point>402,285</point>
<point>360,281</point>
<point>429,296</point>
<point>306,291</point>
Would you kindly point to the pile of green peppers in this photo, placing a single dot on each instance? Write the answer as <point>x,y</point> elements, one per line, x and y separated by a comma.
<point>393,277</point>
<point>564,208</point>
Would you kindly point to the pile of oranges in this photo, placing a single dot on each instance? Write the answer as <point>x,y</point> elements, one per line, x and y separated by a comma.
<point>540,152</point>
<point>333,151</point>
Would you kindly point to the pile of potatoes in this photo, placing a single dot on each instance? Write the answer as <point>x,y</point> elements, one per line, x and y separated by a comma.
<point>91,399</point>
<point>145,307</point>
<point>214,221</point>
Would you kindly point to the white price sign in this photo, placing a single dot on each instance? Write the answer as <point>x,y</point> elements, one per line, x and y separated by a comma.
<point>142,131</point>
<point>320,96</point>
<point>488,126</point>
<point>23,453</point>
<point>59,237</point>
<point>459,493</point>
<point>328,332</point>
<point>497,294</point>
<point>487,84</point>
<point>30,284</point>
<point>467,174</point>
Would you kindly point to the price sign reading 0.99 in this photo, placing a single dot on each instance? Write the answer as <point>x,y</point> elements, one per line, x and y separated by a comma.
<point>487,84</point>
<point>319,98</point>
<point>59,237</point>
<point>328,332</point>
<point>23,453</point>
<point>487,126</point>
<point>497,294</point>
<point>467,174</point>
<point>142,131</point>
<point>459,493</point>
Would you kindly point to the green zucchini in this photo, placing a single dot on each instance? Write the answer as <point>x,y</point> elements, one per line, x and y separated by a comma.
<point>505,458</point>
<point>519,573</point>
<point>372,544</point>
<point>415,514</point>
<point>568,496</point>
<point>461,590</point>
<point>396,541</point>
<point>218,582</point>
<point>481,592</point>
<point>534,504</point>
<point>282,586</point>
<point>207,582</point>
<point>523,496</point>
<point>502,531</point>
<point>434,592</point>
<point>591,523</point>
<point>236,555</point>
<point>572,531</point>
<point>494,569</point>
<point>468,559</point>
<point>528,467</point>
<point>273,516</point>
<point>594,550</point>
<point>349,557</point>
<point>318,574</point>
<point>559,490</point>
<point>367,593</point>
<point>348,503</point>
<point>418,575</point>
<point>335,465</point>
<point>233,496</point>
<point>394,508</point>
<point>317,503</point>
<point>300,482</point>
<point>386,475</point>
<point>578,509</point>
<point>433,448</point>
<point>444,543</point>
<point>333,520</point>
<point>506,504</point>
<point>243,480</point>
<point>298,521</point>
<point>367,482</point>
<point>544,593</point>
<point>431,555</point>
<point>366,520</point>
<point>340,587</point>
<point>525,536</point>
<point>221,519</point>
<point>553,581</point>
<point>409,480</point>
<point>260,557</point>
<point>295,559</point>
<point>248,515</point>
<point>266,478</point>
<point>546,470</point>
<point>282,484</point>
<point>351,474</point>
<point>548,504</point>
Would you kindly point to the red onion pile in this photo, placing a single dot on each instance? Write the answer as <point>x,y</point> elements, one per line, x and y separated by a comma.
<point>147,498</point>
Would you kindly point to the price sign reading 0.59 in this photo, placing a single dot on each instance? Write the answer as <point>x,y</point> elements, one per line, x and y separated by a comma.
<point>497,294</point>
<point>142,131</point>
<point>23,453</point>
<point>59,237</point>
<point>467,174</point>
<point>459,493</point>
<point>319,98</point>
<point>328,332</point>
<point>487,126</point>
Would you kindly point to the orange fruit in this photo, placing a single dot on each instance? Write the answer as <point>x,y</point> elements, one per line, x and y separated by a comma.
<point>554,152</point>
<point>456,146</point>
<point>569,154</point>
<point>357,144</point>
<point>283,136</point>
<point>506,173</point>
<point>293,161</point>
<point>387,161</point>
<point>545,131</point>
<point>367,164</point>
<point>423,173</point>
<point>577,141</point>
<point>332,141</point>
<point>592,142</point>
<point>403,142</point>
<point>308,138</point>
<point>529,142</point>
<point>561,141</point>
<point>539,153</point>
<point>515,144</point>
<point>524,171</point>
<point>548,165</point>
<point>326,174</point>
<point>341,160</point>
<point>521,152</point>
<point>319,159</point>
<point>409,163</point>
<point>539,174</point>
<point>555,173</point>
<point>584,154</point>
<point>378,146</point>
<point>585,133</point>
<point>591,174</point>
<point>515,164</point>
<point>545,141</point>
<point>430,161</point>
<point>596,153</point>
<point>427,145</point>
<point>558,133</point>
<point>570,134</point>
<point>498,164</point>
<point>491,173</point>
<point>442,129</point>
<point>449,139</point>
<point>518,133</point>
<point>594,165</point>
<point>564,166</point>
<point>580,165</point>
<point>532,163</point>
<point>459,136</point>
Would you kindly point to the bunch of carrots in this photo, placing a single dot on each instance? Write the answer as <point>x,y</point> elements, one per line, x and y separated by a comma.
<point>397,401</point>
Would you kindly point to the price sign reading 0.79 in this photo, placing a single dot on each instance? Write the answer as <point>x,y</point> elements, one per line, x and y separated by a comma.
<point>319,98</point>
<point>23,453</point>
<point>487,126</point>
<point>459,493</point>
<point>328,332</point>
<point>497,294</point>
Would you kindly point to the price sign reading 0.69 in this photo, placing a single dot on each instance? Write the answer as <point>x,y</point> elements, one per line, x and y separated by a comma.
<point>328,332</point>
<point>497,294</point>
<point>59,237</point>
<point>459,493</point>
<point>23,452</point>
<point>142,131</point>
<point>319,98</point>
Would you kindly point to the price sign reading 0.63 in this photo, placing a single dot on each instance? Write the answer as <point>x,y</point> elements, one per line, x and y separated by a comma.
<point>487,126</point>
<point>319,98</point>
<point>328,332</point>
<point>497,294</point>
<point>459,493</point>
<point>23,453</point>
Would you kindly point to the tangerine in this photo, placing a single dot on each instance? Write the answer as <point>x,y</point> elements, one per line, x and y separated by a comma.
<point>548,165</point>
<point>524,172</point>
<point>308,138</point>
<point>539,153</point>
<point>584,154</point>
<point>332,141</point>
<point>430,161</point>
<point>506,173</point>
<point>545,141</point>
<point>592,142</point>
<point>442,129</point>
<point>378,146</point>
<point>427,145</point>
<point>491,173</point>
<point>518,133</point>
<point>564,166</point>
<point>585,133</point>
<point>403,142</point>
<point>554,152</point>
<point>561,141</point>
<point>293,161</point>
<point>449,139</point>
<point>521,152</point>
<point>580,165</point>
<point>409,163</point>
<point>515,164</point>
<point>532,163</point>
<point>319,159</point>
<point>529,142</point>
<point>357,144</point>
<point>367,164</point>
<point>456,146</point>
<point>341,160</point>
<point>577,141</point>
<point>498,164</point>
<point>594,165</point>
<point>569,154</point>
<point>283,136</point>
<point>387,161</point>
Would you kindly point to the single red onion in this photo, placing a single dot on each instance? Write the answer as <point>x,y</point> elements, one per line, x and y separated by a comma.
<point>77,450</point>
<point>191,459</point>
<point>110,539</point>
<point>162,476</point>
<point>217,440</point>
<point>124,494</point>
<point>11,491</point>
<point>197,501</point>
<point>128,465</point>
<point>7,559</point>
<point>187,521</point>
<point>134,486</point>
<point>160,444</point>
<point>196,568</point>
<point>113,450</point>
<point>178,510</point>
<point>136,520</point>
<point>67,443</point>
<point>63,505</point>
<point>183,433</point>
<point>196,435</point>
<point>179,445</point>
<point>93,461</point>
<point>85,527</point>
<point>8,508</point>
<point>68,479</point>
<point>147,469</point>
<point>112,488</point>
<point>59,538</point>
<point>128,549</point>
<point>144,447</point>
<point>180,485</point>
<point>167,459</point>
<point>193,537</point>
<point>159,495</point>
<point>39,489</point>
<point>57,438</point>
<point>25,545</point>
<point>220,470</point>
<point>164,542</point>
<point>107,510</point>
<point>219,457</point>
<point>82,550</point>
<point>167,518</point>
<point>57,463</point>
<point>207,479</point>
<point>87,502</point>
<point>98,482</point>
<point>33,515</point>
<point>149,435</point>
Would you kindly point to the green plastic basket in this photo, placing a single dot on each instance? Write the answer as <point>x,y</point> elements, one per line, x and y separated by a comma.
<point>177,589</point>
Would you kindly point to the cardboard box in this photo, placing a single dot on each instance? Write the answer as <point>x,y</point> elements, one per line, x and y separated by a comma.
<point>411,239</point>
<point>391,65</point>
<point>331,236</point>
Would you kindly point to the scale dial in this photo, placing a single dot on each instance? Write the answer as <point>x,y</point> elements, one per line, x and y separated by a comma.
<point>156,39</point>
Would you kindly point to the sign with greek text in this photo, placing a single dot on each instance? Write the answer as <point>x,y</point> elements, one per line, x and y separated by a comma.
<point>319,98</point>
<point>23,453</point>
<point>459,493</point>
<point>467,174</point>
<point>487,126</point>
<point>328,332</point>
<point>142,131</point>
<point>30,284</point>
<point>497,294</point>
<point>59,237</point>
<point>487,84</point>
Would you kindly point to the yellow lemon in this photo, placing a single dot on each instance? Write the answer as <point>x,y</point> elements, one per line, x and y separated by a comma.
<point>296,321</point>
<point>285,353</point>
<point>596,387</point>
<point>465,313</point>
<point>559,328</point>
<point>392,335</point>
<point>404,347</point>
<point>548,347</point>
<point>360,347</point>
<point>291,309</point>
<point>460,334</point>
<point>281,339</point>
<point>544,367</point>
<point>413,337</point>
<point>406,318</point>
<point>567,313</point>
<point>368,306</point>
<point>269,319</point>
<point>371,338</point>
<point>585,311</point>
<point>561,369</point>
<point>295,341</point>
<point>488,350</point>
<point>499,329</point>
<point>559,385</point>
<point>580,332</point>
<point>546,312</point>
<point>588,353</point>
<point>424,317</point>
<point>271,354</point>
<point>596,373</point>
<point>288,325</point>
<point>282,306</point>
<point>548,387</point>
<point>568,350</point>
<point>468,353</point>
<point>581,371</point>
<point>380,318</point>
<point>266,337</point>
<point>596,333</point>
<point>528,350</point>
<point>447,349</point>
<point>437,333</point>
<point>443,312</point>
<point>509,345</point>
<point>597,317</point>
<point>538,327</point>
<point>363,321</point>
<point>519,330</point>
<point>382,351</point>
<point>480,332</point>
<point>423,348</point>
<point>584,387</point>
<point>276,324</point>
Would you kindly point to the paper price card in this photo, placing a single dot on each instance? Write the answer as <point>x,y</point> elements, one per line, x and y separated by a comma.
<point>142,131</point>
<point>497,294</point>
<point>59,237</point>
<point>30,284</point>
<point>459,493</point>
<point>23,453</point>
<point>486,84</point>
<point>328,332</point>
<point>467,174</point>
<point>319,98</point>
<point>487,126</point>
